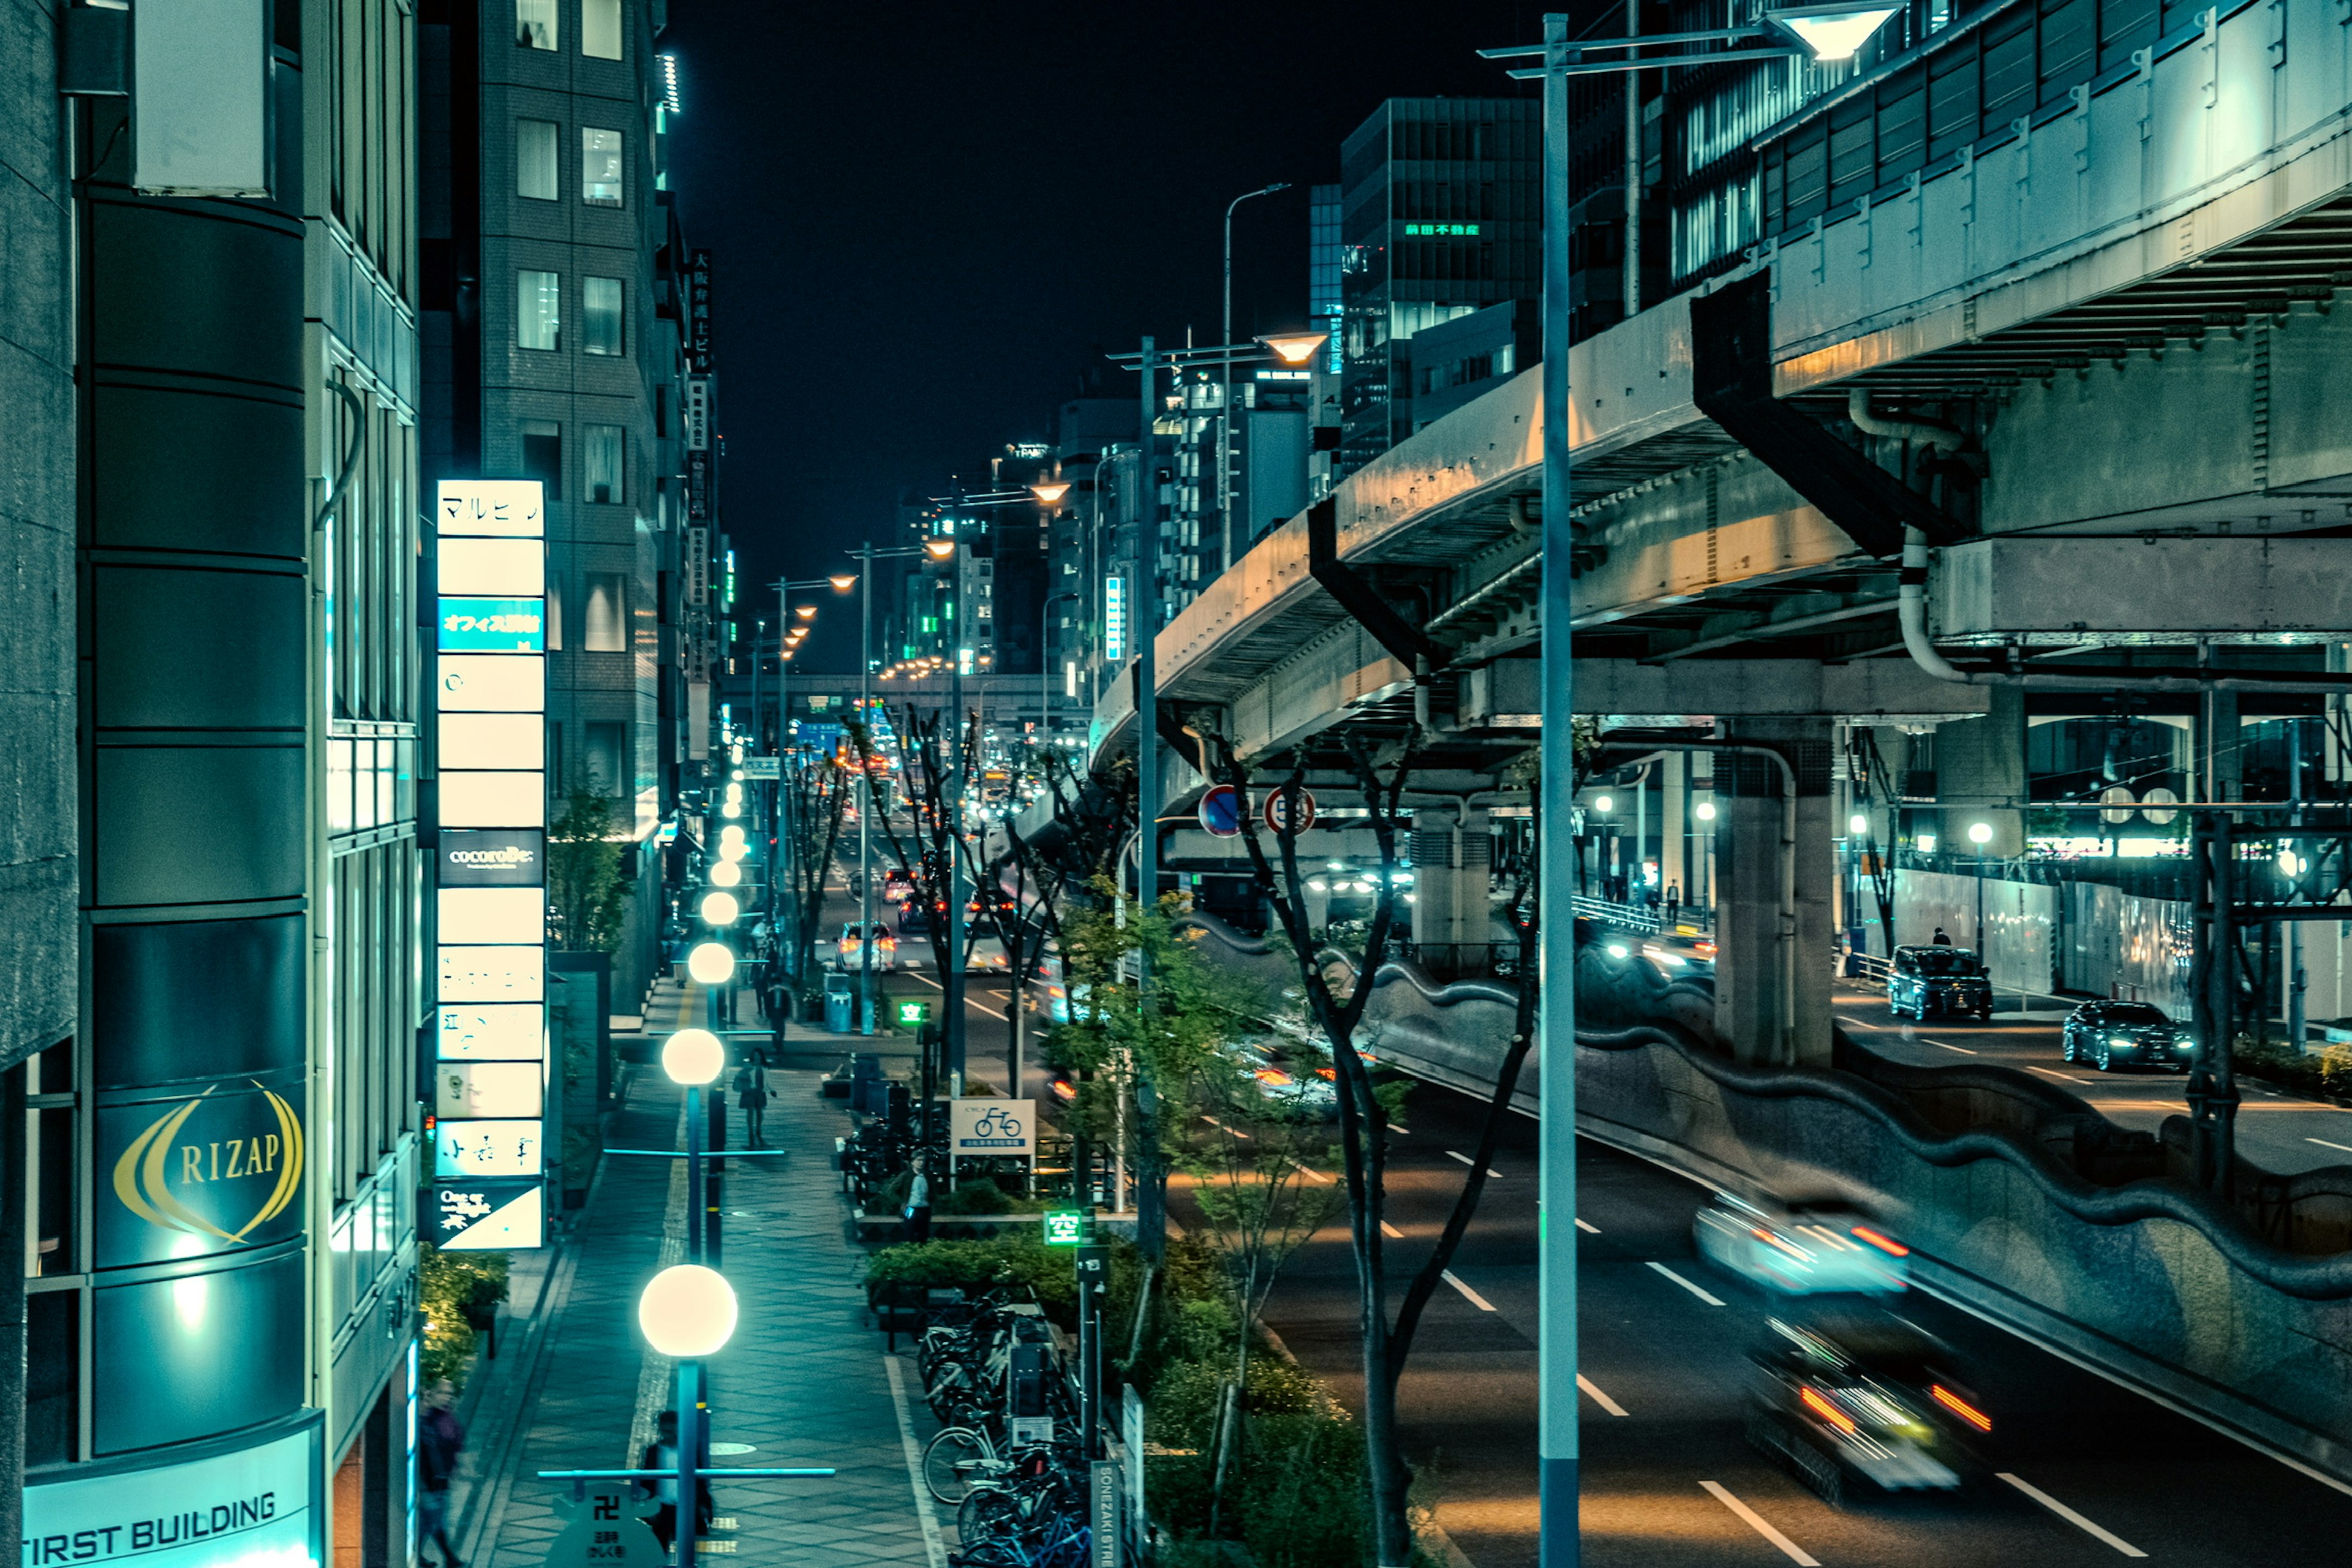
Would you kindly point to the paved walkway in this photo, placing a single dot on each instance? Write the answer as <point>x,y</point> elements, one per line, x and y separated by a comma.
<point>804,1383</point>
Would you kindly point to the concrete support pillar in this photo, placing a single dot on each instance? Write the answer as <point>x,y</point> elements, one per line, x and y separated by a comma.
<point>2220,745</point>
<point>1980,777</point>
<point>1771,1009</point>
<point>1453,869</point>
<point>1674,828</point>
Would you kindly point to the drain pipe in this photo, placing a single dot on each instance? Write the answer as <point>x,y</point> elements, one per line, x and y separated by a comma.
<point>1911,609</point>
<point>1944,439</point>
<point>1786,937</point>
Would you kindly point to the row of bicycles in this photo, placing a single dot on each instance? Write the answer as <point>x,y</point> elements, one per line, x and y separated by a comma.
<point>1006,1457</point>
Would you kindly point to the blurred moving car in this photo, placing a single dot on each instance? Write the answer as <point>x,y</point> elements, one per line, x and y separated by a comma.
<point>1861,1395</point>
<point>1924,981</point>
<point>1801,1249</point>
<point>2109,1035</point>
<point>1313,1091</point>
<point>849,951</point>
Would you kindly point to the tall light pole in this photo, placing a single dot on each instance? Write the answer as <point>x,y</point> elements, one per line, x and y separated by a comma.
<point>793,625</point>
<point>1225,383</point>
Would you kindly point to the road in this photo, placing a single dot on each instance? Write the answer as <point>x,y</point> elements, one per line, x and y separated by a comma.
<point>2152,1481</point>
<point>2278,1131</point>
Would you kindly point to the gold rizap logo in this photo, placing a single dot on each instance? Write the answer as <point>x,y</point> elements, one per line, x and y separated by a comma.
<point>157,1162</point>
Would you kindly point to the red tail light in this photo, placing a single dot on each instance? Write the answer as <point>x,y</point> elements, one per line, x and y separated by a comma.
<point>1881,1240</point>
<point>1961,1408</point>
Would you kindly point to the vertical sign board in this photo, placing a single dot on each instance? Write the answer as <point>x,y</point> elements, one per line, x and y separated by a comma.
<point>1102,1499</point>
<point>491,1062</point>
<point>695,414</point>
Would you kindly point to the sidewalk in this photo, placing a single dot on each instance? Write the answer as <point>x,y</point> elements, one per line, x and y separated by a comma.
<point>804,1383</point>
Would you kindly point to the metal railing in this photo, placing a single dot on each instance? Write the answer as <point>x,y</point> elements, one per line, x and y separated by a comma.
<point>1645,920</point>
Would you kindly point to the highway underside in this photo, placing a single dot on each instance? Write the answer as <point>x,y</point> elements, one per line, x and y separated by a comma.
<point>2110,1474</point>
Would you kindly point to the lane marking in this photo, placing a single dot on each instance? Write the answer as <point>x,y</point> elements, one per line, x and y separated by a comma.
<point>967,995</point>
<point>1858,1023</point>
<point>2071,1517</point>
<point>1400,1127</point>
<point>1222,1128</point>
<point>1586,1227</point>
<point>2061,1076</point>
<point>1473,1296</point>
<point>2326,1144</point>
<point>1492,1174</point>
<point>1962,1049</point>
<point>934,1547</point>
<point>1599,1398</point>
<point>1760,1525</point>
<point>1391,1232</point>
<point>1312,1175</point>
<point>1702,1295</point>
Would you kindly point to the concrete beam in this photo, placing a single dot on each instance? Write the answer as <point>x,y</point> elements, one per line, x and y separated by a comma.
<point>2064,590</point>
<point>1506,694</point>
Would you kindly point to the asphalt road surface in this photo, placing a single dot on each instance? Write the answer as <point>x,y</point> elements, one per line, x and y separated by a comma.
<point>1672,1481</point>
<point>2278,1131</point>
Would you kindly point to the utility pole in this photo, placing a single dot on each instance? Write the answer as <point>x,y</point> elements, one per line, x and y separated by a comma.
<point>866,803</point>
<point>951,801</point>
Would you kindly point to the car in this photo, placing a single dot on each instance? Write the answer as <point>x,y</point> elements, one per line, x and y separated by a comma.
<point>1310,1092</point>
<point>1801,1249</point>
<point>897,886</point>
<point>848,953</point>
<point>1859,1394</point>
<point>2109,1035</point>
<point>1925,981</point>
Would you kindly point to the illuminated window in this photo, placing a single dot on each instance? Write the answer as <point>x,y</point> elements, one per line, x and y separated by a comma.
<point>600,463</point>
<point>538,310</point>
<point>535,24</point>
<point>600,29</point>
<point>535,159</point>
<point>606,627</point>
<point>600,167</point>
<point>600,316</point>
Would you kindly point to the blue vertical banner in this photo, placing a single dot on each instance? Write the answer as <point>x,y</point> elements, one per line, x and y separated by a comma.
<point>489,884</point>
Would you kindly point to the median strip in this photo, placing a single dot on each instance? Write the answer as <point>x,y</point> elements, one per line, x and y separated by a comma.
<point>2071,1517</point>
<point>1758,1523</point>
<point>1711,1301</point>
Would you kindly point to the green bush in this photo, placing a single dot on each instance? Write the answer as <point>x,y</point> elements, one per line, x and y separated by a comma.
<point>449,1282</point>
<point>1014,1260</point>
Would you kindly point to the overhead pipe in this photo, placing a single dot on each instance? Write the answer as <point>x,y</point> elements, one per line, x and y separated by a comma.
<point>1944,439</point>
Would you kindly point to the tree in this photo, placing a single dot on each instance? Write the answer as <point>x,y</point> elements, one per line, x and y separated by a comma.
<point>1365,1108</point>
<point>816,796</point>
<point>584,875</point>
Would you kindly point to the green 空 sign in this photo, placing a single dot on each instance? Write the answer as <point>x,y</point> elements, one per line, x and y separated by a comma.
<point>914,1013</point>
<point>1065,1227</point>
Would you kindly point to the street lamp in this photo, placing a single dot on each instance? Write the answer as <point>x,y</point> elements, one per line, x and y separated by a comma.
<point>1226,386</point>
<point>726,874</point>
<point>720,908</point>
<point>1980,835</point>
<point>687,1311</point>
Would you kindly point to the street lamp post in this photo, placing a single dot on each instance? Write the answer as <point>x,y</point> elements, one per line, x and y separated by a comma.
<point>1225,383</point>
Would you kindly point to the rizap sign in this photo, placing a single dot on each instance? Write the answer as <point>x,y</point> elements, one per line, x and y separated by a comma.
<point>224,1168</point>
<point>983,1128</point>
<point>252,1510</point>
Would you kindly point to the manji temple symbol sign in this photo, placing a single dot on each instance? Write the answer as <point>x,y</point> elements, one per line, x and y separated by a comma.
<point>606,1529</point>
<point>491,883</point>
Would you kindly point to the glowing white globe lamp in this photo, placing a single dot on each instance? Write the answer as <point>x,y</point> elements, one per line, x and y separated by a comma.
<point>687,1311</point>
<point>693,1056</point>
<point>712,963</point>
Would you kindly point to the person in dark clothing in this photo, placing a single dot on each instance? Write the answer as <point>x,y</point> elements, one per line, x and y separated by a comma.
<point>661,1453</point>
<point>439,1442</point>
<point>1939,939</point>
<point>918,1206</point>
<point>751,1095</point>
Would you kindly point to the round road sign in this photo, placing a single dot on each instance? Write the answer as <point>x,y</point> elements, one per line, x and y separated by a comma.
<point>1220,811</point>
<point>1277,809</point>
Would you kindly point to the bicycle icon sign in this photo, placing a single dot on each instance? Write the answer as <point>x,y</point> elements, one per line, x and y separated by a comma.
<point>980,1129</point>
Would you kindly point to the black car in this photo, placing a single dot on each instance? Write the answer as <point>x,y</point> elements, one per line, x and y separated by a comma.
<point>2109,1035</point>
<point>1856,1394</point>
<point>1925,981</point>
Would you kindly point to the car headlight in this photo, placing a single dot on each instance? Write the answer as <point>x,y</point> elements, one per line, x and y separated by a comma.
<point>2121,1042</point>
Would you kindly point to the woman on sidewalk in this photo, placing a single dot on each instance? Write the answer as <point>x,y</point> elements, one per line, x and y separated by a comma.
<point>751,1094</point>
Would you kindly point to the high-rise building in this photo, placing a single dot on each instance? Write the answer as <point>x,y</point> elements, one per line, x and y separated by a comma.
<point>567,342</point>
<point>1440,215</point>
<point>217,1136</point>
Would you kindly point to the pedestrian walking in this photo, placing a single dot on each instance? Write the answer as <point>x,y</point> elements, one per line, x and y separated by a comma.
<point>918,1206</point>
<point>439,1441</point>
<point>1674,903</point>
<point>751,1095</point>
<point>661,1455</point>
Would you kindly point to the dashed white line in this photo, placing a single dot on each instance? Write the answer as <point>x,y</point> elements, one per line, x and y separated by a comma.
<point>1760,1525</point>
<point>1858,1023</point>
<point>1962,1049</point>
<point>1312,1175</point>
<point>2061,1076</point>
<point>1471,1296</point>
<point>1222,1128</point>
<point>1391,1232</point>
<point>2326,1144</point>
<point>1711,1301</point>
<point>1599,1398</point>
<point>1586,1227</point>
<point>2071,1517</point>
<point>1492,1174</point>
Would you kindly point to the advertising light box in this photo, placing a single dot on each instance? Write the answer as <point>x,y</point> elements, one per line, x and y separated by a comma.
<point>500,741</point>
<point>502,1032</point>
<point>500,1147</point>
<point>494,800</point>
<point>486,915</point>
<point>493,626</point>
<point>493,973</point>
<point>487,1090</point>
<point>510,859</point>
<point>492,568</point>
<point>491,683</point>
<point>512,508</point>
<point>252,1507</point>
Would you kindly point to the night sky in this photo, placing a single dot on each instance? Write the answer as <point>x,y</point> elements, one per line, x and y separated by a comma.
<point>929,221</point>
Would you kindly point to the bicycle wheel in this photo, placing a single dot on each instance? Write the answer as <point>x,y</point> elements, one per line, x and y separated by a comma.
<point>952,1460</point>
<point>987,1512</point>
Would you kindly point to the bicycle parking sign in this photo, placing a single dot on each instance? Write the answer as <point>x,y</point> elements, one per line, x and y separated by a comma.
<point>990,1129</point>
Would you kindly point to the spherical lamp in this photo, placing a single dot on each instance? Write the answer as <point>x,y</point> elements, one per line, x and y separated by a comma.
<point>730,836</point>
<point>693,1056</point>
<point>1704,811</point>
<point>719,909</point>
<point>726,874</point>
<point>1979,834</point>
<point>710,963</point>
<point>687,1311</point>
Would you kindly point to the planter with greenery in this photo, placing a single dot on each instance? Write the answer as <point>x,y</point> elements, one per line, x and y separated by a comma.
<point>456,1290</point>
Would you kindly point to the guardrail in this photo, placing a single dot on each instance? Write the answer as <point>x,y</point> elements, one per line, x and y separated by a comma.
<point>1647,919</point>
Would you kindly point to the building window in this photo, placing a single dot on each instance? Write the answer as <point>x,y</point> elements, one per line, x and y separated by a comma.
<point>535,159</point>
<point>535,24</point>
<point>600,316</point>
<point>542,455</point>
<point>538,310</point>
<point>605,627</point>
<point>600,463</point>
<point>600,29</point>
<point>608,750</point>
<point>600,167</point>
<point>554,622</point>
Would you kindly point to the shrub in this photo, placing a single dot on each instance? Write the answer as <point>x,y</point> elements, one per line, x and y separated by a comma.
<point>1016,1260</point>
<point>447,1283</point>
